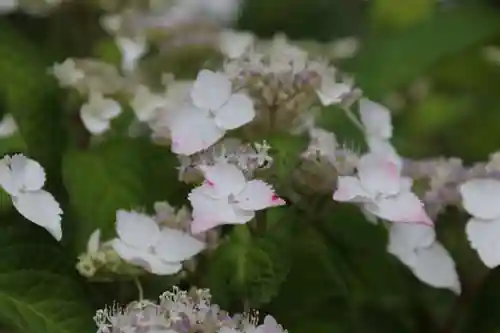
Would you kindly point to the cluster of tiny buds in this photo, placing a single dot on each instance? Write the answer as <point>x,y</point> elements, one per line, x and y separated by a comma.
<point>443,176</point>
<point>178,311</point>
<point>248,157</point>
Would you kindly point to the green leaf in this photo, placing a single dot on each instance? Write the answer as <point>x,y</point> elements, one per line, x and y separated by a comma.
<point>250,268</point>
<point>39,291</point>
<point>31,96</point>
<point>118,174</point>
<point>388,62</point>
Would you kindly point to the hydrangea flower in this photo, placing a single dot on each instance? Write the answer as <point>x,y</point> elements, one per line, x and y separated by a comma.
<point>215,110</point>
<point>480,199</point>
<point>142,242</point>
<point>416,246</point>
<point>382,191</point>
<point>226,197</point>
<point>23,178</point>
<point>179,311</point>
<point>98,112</point>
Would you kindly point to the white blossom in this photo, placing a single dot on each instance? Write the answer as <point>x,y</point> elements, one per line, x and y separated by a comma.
<point>98,112</point>
<point>382,191</point>
<point>142,242</point>
<point>226,197</point>
<point>215,110</point>
<point>23,179</point>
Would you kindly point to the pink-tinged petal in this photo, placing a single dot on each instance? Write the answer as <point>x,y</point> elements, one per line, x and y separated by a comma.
<point>383,147</point>
<point>277,201</point>
<point>481,198</point>
<point>257,195</point>
<point>404,207</point>
<point>223,179</point>
<point>192,130</point>
<point>379,175</point>
<point>349,189</point>
<point>207,208</point>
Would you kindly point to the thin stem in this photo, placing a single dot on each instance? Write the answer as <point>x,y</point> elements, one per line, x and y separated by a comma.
<point>353,119</point>
<point>139,288</point>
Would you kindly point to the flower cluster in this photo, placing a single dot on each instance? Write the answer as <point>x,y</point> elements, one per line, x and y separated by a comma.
<point>181,312</point>
<point>159,244</point>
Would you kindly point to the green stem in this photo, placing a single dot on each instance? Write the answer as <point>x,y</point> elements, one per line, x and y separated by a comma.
<point>139,288</point>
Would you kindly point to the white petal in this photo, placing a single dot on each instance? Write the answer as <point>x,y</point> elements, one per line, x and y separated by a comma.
<point>94,241</point>
<point>209,212</point>
<point>175,245</point>
<point>235,44</point>
<point>257,195</point>
<point>484,237</point>
<point>383,147</point>
<point>145,104</point>
<point>435,267</point>
<point>41,208</point>
<point>332,92</point>
<point>8,126</point>
<point>379,175</point>
<point>27,172</point>
<point>223,179</point>
<point>406,238</point>
<point>349,189</point>
<point>110,108</point>
<point>481,198</point>
<point>6,179</point>
<point>404,207</point>
<point>137,230</point>
<point>144,259</point>
<point>210,90</point>
<point>93,123</point>
<point>193,131</point>
<point>376,118</point>
<point>237,112</point>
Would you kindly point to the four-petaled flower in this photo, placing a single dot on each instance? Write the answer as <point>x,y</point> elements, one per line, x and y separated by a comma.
<point>214,110</point>
<point>382,191</point>
<point>98,112</point>
<point>142,242</point>
<point>226,197</point>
